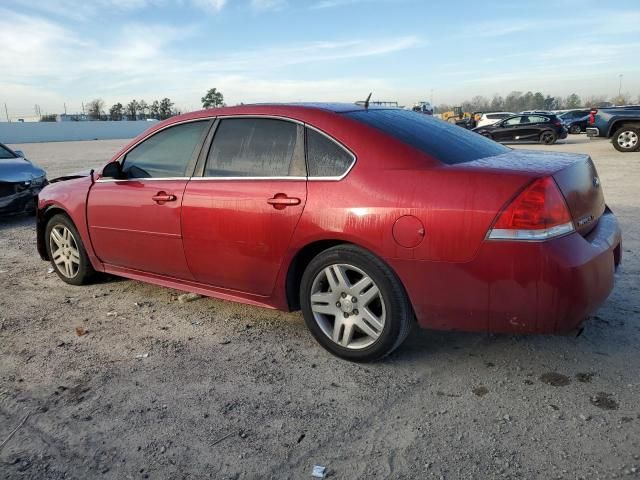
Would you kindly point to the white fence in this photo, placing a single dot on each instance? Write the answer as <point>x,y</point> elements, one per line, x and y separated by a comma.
<point>32,132</point>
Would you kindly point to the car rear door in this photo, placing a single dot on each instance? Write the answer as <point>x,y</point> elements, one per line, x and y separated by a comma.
<point>134,221</point>
<point>240,212</point>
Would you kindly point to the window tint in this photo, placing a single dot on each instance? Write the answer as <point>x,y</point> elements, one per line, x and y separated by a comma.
<point>4,153</point>
<point>537,119</point>
<point>442,140</point>
<point>325,157</point>
<point>165,154</point>
<point>256,147</point>
<point>515,121</point>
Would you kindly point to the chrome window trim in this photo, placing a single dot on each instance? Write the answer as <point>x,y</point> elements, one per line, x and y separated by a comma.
<point>106,180</point>
<point>200,179</point>
<point>221,117</point>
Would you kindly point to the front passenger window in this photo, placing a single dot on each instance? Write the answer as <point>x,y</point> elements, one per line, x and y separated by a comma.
<point>165,154</point>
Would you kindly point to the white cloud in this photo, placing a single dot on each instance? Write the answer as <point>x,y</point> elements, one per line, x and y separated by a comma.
<point>262,5</point>
<point>143,61</point>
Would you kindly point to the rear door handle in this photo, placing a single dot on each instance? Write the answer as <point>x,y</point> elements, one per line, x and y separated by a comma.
<point>281,200</point>
<point>162,197</point>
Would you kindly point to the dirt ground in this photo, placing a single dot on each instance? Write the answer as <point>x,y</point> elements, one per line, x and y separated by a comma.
<point>156,388</point>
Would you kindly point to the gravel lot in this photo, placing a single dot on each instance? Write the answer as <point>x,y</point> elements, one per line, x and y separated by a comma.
<point>237,392</point>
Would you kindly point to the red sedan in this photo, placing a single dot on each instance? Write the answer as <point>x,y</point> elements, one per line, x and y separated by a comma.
<point>365,219</point>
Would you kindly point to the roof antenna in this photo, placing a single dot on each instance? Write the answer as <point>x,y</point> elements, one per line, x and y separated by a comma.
<point>366,102</point>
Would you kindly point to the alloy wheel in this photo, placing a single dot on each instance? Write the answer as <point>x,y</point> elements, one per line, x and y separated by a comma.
<point>64,251</point>
<point>548,138</point>
<point>347,306</point>
<point>628,139</point>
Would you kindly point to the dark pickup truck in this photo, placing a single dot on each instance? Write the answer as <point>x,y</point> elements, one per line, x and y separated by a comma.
<point>620,124</point>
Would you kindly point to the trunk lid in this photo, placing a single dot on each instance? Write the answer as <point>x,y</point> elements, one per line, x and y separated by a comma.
<point>580,185</point>
<point>575,175</point>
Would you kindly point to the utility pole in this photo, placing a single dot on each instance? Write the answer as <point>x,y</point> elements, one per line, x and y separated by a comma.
<point>620,87</point>
<point>65,108</point>
<point>6,112</point>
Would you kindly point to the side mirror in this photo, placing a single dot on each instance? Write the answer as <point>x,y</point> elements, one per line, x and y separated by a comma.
<point>20,153</point>
<point>112,170</point>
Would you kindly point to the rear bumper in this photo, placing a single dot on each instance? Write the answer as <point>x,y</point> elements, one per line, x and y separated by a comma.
<point>518,287</point>
<point>593,132</point>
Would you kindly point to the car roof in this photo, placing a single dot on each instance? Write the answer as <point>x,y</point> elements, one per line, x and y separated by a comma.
<point>298,111</point>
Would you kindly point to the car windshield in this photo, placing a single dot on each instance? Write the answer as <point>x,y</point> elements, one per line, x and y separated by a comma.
<point>444,141</point>
<point>5,153</point>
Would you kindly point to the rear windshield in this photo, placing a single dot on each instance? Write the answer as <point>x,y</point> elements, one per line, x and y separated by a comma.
<point>444,141</point>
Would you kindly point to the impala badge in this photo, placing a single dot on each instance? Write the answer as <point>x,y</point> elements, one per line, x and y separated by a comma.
<point>596,182</point>
<point>584,220</point>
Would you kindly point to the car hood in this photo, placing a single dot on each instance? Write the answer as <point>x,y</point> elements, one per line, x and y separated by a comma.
<point>18,170</point>
<point>71,176</point>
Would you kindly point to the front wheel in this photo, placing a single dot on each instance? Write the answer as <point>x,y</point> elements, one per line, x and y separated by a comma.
<point>575,129</point>
<point>548,137</point>
<point>354,304</point>
<point>627,139</point>
<point>66,251</point>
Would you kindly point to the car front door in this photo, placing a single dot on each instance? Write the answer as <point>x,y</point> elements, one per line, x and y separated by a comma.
<point>507,130</point>
<point>134,220</point>
<point>238,217</point>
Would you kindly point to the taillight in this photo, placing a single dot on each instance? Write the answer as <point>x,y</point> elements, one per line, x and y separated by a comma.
<point>539,212</point>
<point>592,116</point>
<point>557,123</point>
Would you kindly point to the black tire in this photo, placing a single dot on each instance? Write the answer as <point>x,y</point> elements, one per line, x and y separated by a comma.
<point>84,272</point>
<point>548,137</point>
<point>399,316</point>
<point>575,129</point>
<point>623,139</point>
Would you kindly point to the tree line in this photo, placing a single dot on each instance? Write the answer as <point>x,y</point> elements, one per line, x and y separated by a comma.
<point>134,110</point>
<point>141,110</point>
<point>519,101</point>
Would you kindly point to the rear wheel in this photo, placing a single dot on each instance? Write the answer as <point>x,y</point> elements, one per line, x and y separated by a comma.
<point>548,137</point>
<point>354,305</point>
<point>627,139</point>
<point>66,251</point>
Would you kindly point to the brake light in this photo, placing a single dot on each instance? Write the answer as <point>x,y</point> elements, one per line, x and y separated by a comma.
<point>557,123</point>
<point>539,212</point>
<point>592,116</point>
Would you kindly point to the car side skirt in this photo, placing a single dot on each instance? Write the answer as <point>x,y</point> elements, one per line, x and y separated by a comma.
<point>193,287</point>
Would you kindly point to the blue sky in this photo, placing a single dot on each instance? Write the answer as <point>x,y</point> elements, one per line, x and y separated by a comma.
<point>69,51</point>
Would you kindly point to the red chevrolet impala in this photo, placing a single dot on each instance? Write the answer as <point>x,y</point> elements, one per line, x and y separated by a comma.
<point>366,219</point>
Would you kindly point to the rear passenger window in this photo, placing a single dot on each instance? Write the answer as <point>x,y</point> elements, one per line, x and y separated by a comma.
<point>256,147</point>
<point>165,154</point>
<point>325,158</point>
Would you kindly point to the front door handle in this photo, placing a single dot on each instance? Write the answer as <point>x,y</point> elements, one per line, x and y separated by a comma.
<point>162,197</point>
<point>281,201</point>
